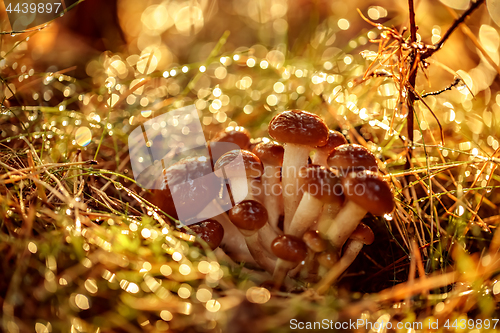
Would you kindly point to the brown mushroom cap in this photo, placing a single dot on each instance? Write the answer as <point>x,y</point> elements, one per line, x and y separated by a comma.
<point>248,215</point>
<point>255,141</point>
<point>314,241</point>
<point>370,191</point>
<point>321,182</point>
<point>270,152</point>
<point>178,181</point>
<point>210,231</point>
<point>353,157</point>
<point>289,248</point>
<point>299,127</point>
<point>252,164</point>
<point>363,233</point>
<point>238,135</point>
<point>327,259</point>
<point>335,139</point>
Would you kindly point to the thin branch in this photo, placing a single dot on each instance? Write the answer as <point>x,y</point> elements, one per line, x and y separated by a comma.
<point>455,25</point>
<point>434,93</point>
<point>411,81</point>
<point>413,26</point>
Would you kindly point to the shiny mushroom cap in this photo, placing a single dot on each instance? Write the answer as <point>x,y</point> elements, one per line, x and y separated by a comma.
<point>314,241</point>
<point>363,234</point>
<point>370,191</point>
<point>210,231</point>
<point>238,135</point>
<point>299,127</point>
<point>231,162</point>
<point>289,248</point>
<point>335,139</point>
<point>248,215</point>
<point>347,158</point>
<point>270,153</point>
<point>321,182</point>
<point>327,259</point>
<point>229,139</point>
<point>178,182</point>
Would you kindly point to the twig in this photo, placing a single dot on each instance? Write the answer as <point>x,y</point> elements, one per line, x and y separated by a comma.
<point>434,93</point>
<point>448,32</point>
<point>411,81</point>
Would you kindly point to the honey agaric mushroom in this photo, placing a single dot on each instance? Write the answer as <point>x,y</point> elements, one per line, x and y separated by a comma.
<point>229,166</point>
<point>316,245</point>
<point>249,217</point>
<point>328,258</point>
<point>314,241</point>
<point>271,155</point>
<point>320,186</point>
<point>300,131</point>
<point>352,157</point>
<point>365,192</point>
<point>363,235</point>
<point>290,251</point>
<point>177,181</point>
<point>210,231</point>
<point>237,135</point>
<point>321,154</point>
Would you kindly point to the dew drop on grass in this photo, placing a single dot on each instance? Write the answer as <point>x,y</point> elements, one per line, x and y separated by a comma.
<point>83,136</point>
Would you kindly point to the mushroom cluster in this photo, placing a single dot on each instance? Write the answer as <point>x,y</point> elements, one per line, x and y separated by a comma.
<point>296,210</point>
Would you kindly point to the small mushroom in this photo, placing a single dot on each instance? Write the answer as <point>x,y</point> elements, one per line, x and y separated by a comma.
<point>240,168</point>
<point>299,131</point>
<point>237,135</point>
<point>365,192</point>
<point>249,217</point>
<point>327,259</point>
<point>363,235</point>
<point>321,185</point>
<point>290,251</point>
<point>271,155</point>
<point>352,157</point>
<point>321,154</point>
<point>186,188</point>
<point>316,245</point>
<point>314,241</point>
<point>210,231</point>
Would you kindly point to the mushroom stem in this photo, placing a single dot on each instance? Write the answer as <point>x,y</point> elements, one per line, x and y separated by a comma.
<point>320,158</point>
<point>241,188</point>
<point>351,252</point>
<point>294,158</point>
<point>307,211</point>
<point>330,211</point>
<point>258,253</point>
<point>281,270</point>
<point>310,269</point>
<point>234,242</point>
<point>266,237</point>
<point>344,224</point>
<point>272,193</point>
